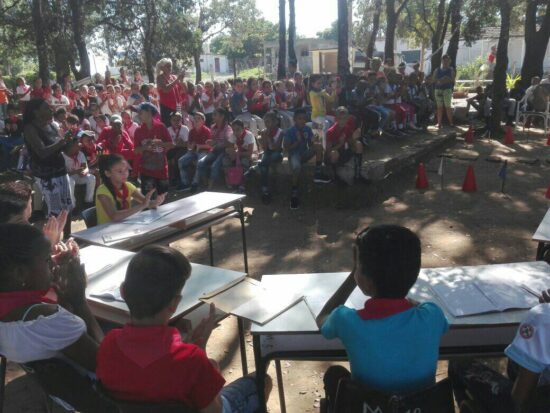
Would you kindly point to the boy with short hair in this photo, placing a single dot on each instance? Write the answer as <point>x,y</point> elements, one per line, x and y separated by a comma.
<point>301,147</point>
<point>343,143</point>
<point>392,343</point>
<point>79,173</point>
<point>198,147</point>
<point>148,361</point>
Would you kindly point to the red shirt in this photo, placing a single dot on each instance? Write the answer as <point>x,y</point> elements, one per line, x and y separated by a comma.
<point>152,364</point>
<point>335,132</point>
<point>116,142</point>
<point>258,106</point>
<point>170,99</point>
<point>153,163</point>
<point>200,136</point>
<point>40,93</point>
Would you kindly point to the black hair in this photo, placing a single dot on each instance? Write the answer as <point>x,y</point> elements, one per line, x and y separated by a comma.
<point>70,143</point>
<point>275,116</point>
<point>60,111</point>
<point>14,198</point>
<point>73,119</point>
<point>105,163</point>
<point>300,112</point>
<point>11,106</point>
<point>155,276</point>
<point>238,122</point>
<point>237,80</point>
<point>224,113</point>
<point>390,256</point>
<point>79,113</point>
<point>20,244</point>
<point>30,107</point>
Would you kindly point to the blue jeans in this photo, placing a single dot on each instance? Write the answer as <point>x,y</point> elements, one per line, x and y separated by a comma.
<point>3,110</point>
<point>297,158</point>
<point>384,115</point>
<point>214,161</point>
<point>185,161</point>
<point>269,157</point>
<point>241,396</point>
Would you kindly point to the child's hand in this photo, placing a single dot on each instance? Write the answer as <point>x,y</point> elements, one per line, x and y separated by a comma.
<point>147,199</point>
<point>54,227</point>
<point>70,283</point>
<point>201,333</point>
<point>155,203</point>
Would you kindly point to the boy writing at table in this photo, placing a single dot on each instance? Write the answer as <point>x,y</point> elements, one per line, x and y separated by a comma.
<point>149,361</point>
<point>393,342</point>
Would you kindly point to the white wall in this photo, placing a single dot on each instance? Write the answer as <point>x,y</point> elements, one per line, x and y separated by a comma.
<point>208,63</point>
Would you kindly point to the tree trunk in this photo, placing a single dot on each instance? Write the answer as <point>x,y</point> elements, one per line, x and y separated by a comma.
<point>392,16</point>
<point>536,42</point>
<point>197,60</point>
<point>281,66</point>
<point>234,68</point>
<point>40,41</point>
<point>149,29</point>
<point>391,24</point>
<point>374,33</point>
<point>77,20</point>
<point>62,56</point>
<point>438,36</point>
<point>292,60</point>
<point>454,41</point>
<point>499,79</point>
<point>343,39</point>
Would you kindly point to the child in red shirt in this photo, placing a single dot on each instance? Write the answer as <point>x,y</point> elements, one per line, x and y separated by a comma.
<point>343,143</point>
<point>152,142</point>
<point>198,147</point>
<point>148,361</point>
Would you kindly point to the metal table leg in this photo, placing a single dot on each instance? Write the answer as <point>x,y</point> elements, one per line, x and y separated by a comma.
<point>243,235</point>
<point>211,246</point>
<point>280,384</point>
<point>3,366</point>
<point>261,371</point>
<point>242,345</point>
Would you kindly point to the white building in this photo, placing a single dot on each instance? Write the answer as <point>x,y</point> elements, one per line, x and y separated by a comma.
<point>214,63</point>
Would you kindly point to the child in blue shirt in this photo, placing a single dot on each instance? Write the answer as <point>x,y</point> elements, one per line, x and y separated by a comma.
<point>301,147</point>
<point>392,343</point>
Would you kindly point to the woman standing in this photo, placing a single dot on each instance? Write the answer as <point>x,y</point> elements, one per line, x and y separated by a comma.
<point>47,163</point>
<point>444,85</point>
<point>168,86</point>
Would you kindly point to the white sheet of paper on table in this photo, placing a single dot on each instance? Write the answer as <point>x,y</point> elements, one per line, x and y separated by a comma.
<point>266,306</point>
<point>112,293</point>
<point>146,217</point>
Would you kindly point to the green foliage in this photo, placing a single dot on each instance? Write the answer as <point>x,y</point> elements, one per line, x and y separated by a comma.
<point>330,33</point>
<point>511,80</point>
<point>470,71</point>
<point>253,72</point>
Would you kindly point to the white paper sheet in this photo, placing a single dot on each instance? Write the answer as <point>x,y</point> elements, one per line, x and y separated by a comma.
<point>146,217</point>
<point>110,294</point>
<point>266,306</point>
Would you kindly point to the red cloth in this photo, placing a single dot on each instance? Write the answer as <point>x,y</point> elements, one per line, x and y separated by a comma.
<point>377,308</point>
<point>259,105</point>
<point>90,151</point>
<point>15,299</point>
<point>170,99</point>
<point>41,93</point>
<point>492,57</point>
<point>116,142</point>
<point>335,132</point>
<point>153,164</point>
<point>199,136</point>
<point>152,364</point>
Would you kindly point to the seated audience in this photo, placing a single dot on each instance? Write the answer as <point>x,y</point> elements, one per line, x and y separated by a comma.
<point>79,173</point>
<point>240,148</point>
<point>199,146</point>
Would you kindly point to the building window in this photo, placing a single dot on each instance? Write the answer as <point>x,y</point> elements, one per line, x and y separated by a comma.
<point>304,53</point>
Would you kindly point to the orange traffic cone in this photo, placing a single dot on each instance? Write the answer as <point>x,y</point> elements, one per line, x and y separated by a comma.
<point>548,192</point>
<point>421,177</point>
<point>470,181</point>
<point>469,135</point>
<point>509,137</point>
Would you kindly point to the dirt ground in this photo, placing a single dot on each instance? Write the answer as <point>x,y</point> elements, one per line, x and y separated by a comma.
<point>456,228</point>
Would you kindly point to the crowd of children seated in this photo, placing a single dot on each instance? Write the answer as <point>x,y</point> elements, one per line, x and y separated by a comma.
<point>178,135</point>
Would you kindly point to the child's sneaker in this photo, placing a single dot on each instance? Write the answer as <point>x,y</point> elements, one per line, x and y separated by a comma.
<point>294,202</point>
<point>320,178</point>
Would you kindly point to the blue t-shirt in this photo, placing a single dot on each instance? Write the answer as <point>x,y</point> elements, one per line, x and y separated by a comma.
<point>291,136</point>
<point>398,353</point>
<point>235,102</point>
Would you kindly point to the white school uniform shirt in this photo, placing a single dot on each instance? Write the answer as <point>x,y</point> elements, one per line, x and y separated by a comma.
<point>207,109</point>
<point>131,130</point>
<point>20,90</point>
<point>531,346</point>
<point>72,164</point>
<point>276,139</point>
<point>60,102</point>
<point>40,339</point>
<point>248,139</point>
<point>182,133</point>
<point>391,90</point>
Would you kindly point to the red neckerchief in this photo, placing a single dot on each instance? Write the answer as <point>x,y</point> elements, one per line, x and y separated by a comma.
<point>274,133</point>
<point>123,196</point>
<point>16,299</point>
<point>240,141</point>
<point>377,308</point>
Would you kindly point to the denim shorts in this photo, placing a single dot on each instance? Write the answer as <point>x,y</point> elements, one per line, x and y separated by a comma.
<point>241,396</point>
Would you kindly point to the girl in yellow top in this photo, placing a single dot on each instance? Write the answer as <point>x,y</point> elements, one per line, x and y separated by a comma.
<point>319,98</point>
<point>114,197</point>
